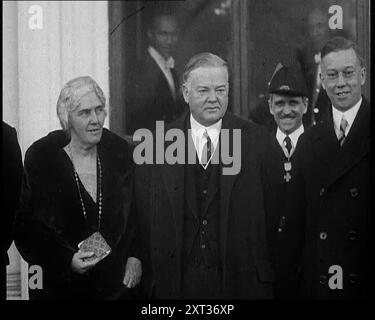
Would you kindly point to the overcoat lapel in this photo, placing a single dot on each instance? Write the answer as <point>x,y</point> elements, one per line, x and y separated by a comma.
<point>173,177</point>
<point>112,180</point>
<point>58,160</point>
<point>226,185</point>
<point>325,144</point>
<point>191,197</point>
<point>356,145</point>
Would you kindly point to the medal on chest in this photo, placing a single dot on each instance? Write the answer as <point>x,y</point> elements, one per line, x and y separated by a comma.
<point>287,168</point>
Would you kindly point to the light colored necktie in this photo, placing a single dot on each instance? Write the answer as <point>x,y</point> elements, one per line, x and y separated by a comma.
<point>169,64</point>
<point>341,136</point>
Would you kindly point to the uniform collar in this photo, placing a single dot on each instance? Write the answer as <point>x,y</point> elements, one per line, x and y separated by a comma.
<point>294,136</point>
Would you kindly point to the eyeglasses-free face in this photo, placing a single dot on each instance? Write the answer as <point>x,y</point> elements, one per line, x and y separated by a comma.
<point>86,121</point>
<point>206,92</point>
<point>287,111</point>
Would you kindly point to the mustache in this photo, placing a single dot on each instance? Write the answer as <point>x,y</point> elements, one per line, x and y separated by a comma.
<point>288,116</point>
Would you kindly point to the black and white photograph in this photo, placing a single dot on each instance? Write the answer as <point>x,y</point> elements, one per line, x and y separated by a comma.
<point>186,156</point>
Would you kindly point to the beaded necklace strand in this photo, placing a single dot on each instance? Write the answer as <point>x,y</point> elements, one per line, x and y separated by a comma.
<point>79,189</point>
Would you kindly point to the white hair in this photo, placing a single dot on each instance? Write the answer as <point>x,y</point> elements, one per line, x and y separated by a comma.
<point>70,96</point>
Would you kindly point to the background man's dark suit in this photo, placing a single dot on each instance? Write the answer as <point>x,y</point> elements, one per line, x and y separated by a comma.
<point>152,99</point>
<point>243,253</point>
<point>318,100</point>
<point>11,187</point>
<point>337,202</point>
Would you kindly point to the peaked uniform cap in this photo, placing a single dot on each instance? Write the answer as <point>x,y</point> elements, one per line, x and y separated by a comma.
<point>289,81</point>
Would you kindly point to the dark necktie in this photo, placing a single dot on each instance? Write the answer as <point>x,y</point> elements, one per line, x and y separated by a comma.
<point>207,149</point>
<point>341,137</point>
<point>288,144</point>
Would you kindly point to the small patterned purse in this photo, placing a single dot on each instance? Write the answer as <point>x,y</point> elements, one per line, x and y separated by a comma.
<point>97,244</point>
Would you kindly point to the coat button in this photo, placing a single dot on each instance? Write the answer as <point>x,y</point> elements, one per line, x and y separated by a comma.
<point>354,192</point>
<point>321,193</point>
<point>322,279</point>
<point>204,222</point>
<point>203,246</point>
<point>323,235</point>
<point>352,235</point>
<point>353,278</point>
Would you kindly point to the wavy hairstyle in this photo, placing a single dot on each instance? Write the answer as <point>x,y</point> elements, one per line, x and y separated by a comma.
<point>70,96</point>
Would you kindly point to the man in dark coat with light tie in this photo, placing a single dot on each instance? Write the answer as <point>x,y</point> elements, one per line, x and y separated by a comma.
<point>11,188</point>
<point>206,229</point>
<point>155,95</point>
<point>288,104</point>
<point>333,184</point>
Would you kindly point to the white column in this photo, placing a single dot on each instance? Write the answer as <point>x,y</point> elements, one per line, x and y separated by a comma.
<point>72,42</point>
<point>10,64</point>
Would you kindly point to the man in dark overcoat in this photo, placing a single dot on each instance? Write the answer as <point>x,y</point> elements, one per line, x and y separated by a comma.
<point>205,219</point>
<point>288,104</point>
<point>333,161</point>
<point>11,188</point>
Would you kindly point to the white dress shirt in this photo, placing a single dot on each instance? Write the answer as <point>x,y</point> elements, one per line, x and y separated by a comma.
<point>165,66</point>
<point>349,116</point>
<point>197,131</point>
<point>294,136</point>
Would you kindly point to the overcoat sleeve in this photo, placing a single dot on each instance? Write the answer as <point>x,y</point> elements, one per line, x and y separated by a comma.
<point>37,242</point>
<point>12,178</point>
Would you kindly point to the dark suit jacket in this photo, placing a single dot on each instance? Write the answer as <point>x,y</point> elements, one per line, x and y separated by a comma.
<point>333,187</point>
<point>285,231</point>
<point>245,260</point>
<point>11,188</point>
<point>151,98</point>
<point>50,222</point>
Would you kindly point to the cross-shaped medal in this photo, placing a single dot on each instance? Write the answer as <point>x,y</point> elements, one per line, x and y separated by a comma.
<point>287,177</point>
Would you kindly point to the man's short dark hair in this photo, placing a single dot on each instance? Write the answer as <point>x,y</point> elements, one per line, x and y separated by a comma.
<point>157,14</point>
<point>340,43</point>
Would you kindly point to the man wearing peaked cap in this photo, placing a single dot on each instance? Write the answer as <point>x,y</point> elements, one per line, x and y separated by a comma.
<point>287,103</point>
<point>288,80</point>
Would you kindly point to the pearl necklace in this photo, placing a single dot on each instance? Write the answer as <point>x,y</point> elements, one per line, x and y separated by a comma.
<point>79,189</point>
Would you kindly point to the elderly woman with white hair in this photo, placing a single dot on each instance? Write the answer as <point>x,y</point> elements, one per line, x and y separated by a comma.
<point>76,218</point>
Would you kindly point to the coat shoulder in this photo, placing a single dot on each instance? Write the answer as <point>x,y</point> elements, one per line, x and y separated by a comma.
<point>9,136</point>
<point>8,130</point>
<point>246,125</point>
<point>253,131</point>
<point>115,142</point>
<point>46,146</point>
